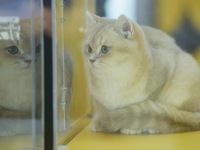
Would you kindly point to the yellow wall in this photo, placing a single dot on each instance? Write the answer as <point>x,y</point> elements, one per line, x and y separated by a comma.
<point>170,13</point>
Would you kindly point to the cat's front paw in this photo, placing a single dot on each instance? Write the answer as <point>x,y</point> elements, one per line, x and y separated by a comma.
<point>138,131</point>
<point>96,126</point>
<point>101,125</point>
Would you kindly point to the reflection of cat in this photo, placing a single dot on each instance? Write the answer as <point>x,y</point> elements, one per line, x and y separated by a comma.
<point>16,82</point>
<point>140,81</point>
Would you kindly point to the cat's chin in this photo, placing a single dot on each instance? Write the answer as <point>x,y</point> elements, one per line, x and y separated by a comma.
<point>23,66</point>
<point>28,67</point>
<point>95,65</point>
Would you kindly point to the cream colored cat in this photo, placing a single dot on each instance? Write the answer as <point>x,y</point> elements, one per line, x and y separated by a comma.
<point>139,79</point>
<point>16,83</point>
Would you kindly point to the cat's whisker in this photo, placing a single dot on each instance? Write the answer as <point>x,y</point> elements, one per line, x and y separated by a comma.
<point>101,62</point>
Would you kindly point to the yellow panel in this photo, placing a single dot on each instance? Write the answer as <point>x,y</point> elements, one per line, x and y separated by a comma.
<point>169,14</point>
<point>88,140</point>
<point>197,55</point>
<point>15,142</point>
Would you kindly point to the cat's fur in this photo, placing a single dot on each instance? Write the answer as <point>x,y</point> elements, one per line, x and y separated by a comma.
<point>16,83</point>
<point>144,84</point>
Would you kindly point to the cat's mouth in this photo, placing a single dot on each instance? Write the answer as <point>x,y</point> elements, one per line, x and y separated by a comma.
<point>95,63</point>
<point>25,64</point>
<point>92,61</point>
<point>29,62</point>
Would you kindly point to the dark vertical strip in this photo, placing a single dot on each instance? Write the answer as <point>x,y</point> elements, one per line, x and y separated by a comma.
<point>100,8</point>
<point>48,94</point>
<point>146,12</point>
<point>48,90</point>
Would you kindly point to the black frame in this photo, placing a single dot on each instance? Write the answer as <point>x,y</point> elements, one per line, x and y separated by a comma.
<point>49,141</point>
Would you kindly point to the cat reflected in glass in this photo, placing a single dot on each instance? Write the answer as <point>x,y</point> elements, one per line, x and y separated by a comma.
<point>17,82</point>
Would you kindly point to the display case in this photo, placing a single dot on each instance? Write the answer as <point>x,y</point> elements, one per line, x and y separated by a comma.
<point>21,89</point>
<point>44,93</point>
<point>44,100</point>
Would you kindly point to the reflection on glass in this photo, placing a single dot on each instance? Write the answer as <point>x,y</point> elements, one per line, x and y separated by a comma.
<point>73,107</point>
<point>64,70</point>
<point>21,70</point>
<point>20,74</point>
<point>16,76</point>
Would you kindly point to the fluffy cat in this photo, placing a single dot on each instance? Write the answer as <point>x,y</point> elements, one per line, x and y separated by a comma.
<point>140,81</point>
<point>16,83</point>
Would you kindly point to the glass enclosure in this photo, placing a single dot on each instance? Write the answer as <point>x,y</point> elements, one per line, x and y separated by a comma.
<point>70,24</point>
<point>32,31</point>
<point>21,98</point>
<point>43,92</point>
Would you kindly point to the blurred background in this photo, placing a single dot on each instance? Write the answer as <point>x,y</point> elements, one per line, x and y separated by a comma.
<point>179,18</point>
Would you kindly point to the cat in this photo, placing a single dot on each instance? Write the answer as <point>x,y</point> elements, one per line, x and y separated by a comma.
<point>16,82</point>
<point>139,80</point>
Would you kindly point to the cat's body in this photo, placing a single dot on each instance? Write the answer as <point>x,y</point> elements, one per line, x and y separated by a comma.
<point>139,80</point>
<point>16,83</point>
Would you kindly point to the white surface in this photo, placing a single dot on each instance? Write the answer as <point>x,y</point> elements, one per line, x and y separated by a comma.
<point>115,8</point>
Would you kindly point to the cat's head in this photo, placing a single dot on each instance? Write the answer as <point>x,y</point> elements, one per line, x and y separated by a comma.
<point>110,42</point>
<point>15,53</point>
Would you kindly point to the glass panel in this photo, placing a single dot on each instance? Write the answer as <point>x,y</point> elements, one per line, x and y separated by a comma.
<point>20,74</point>
<point>73,103</point>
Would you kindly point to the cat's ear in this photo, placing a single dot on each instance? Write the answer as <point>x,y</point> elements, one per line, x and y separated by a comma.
<point>91,19</point>
<point>124,26</point>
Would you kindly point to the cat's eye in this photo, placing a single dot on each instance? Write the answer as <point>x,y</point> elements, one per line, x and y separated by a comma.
<point>12,50</point>
<point>89,49</point>
<point>105,49</point>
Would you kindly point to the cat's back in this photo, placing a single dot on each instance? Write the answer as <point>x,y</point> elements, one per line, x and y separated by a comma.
<point>157,38</point>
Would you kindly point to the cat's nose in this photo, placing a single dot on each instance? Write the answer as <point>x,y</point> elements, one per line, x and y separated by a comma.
<point>92,61</point>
